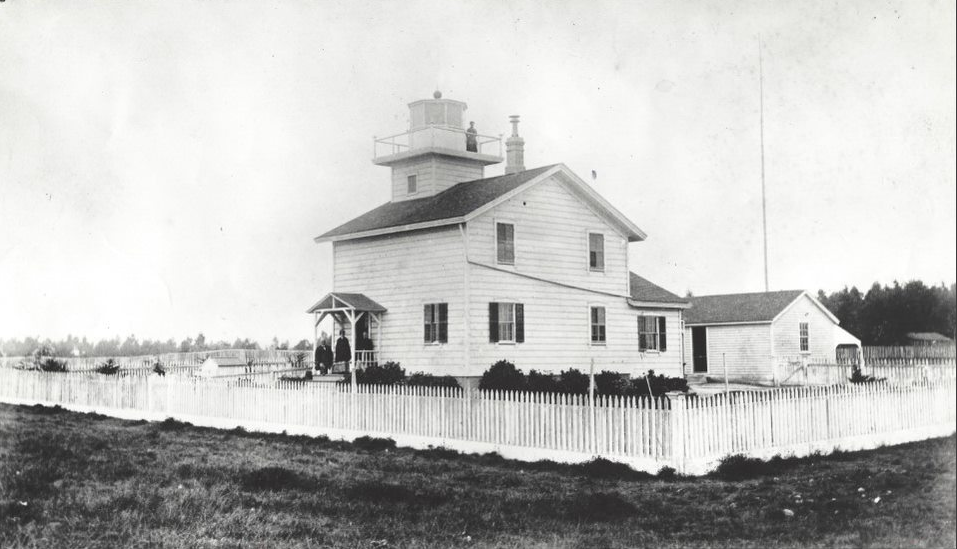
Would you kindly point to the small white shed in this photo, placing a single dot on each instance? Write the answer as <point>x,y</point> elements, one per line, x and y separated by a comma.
<point>750,335</point>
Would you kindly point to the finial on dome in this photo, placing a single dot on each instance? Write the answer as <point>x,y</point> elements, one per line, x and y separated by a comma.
<point>437,94</point>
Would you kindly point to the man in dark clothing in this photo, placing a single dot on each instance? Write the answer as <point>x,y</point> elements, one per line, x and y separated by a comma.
<point>323,355</point>
<point>343,349</point>
<point>471,138</point>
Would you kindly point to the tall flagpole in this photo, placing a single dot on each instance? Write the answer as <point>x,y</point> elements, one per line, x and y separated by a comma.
<point>764,207</point>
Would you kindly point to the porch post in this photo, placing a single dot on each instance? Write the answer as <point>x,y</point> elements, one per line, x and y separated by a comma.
<point>378,333</point>
<point>352,329</point>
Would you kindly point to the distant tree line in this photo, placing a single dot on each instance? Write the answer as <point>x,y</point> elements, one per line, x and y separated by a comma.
<point>886,314</point>
<point>131,346</point>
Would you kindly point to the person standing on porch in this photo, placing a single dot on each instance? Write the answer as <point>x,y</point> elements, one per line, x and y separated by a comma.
<point>343,349</point>
<point>323,355</point>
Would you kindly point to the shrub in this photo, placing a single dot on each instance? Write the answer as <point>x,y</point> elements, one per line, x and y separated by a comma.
<point>373,444</point>
<point>611,383</point>
<point>420,379</point>
<point>51,364</point>
<point>739,467</point>
<point>573,381</point>
<point>537,382</point>
<point>858,377</point>
<point>158,368</point>
<point>503,376</point>
<point>390,373</point>
<point>659,385</point>
<point>667,473</point>
<point>109,368</point>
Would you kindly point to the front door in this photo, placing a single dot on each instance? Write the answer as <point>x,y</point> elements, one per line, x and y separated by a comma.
<point>699,348</point>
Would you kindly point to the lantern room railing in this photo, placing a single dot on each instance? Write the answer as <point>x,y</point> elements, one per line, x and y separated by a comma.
<point>445,137</point>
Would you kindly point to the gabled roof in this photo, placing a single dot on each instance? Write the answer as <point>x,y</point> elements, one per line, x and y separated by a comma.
<point>464,201</point>
<point>739,308</point>
<point>645,291</point>
<point>338,300</point>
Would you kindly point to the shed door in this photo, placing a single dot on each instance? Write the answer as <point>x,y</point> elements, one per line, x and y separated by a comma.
<point>699,348</point>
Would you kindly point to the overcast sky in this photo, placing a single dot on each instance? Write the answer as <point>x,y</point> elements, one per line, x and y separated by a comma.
<point>164,166</point>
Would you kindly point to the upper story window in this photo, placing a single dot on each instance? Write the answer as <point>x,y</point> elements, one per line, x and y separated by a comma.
<point>803,334</point>
<point>652,333</point>
<point>596,251</point>
<point>413,184</point>
<point>505,243</point>
<point>506,322</point>
<point>436,323</point>
<point>598,325</point>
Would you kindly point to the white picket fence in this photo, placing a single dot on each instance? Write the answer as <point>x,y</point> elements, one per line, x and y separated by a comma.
<point>174,361</point>
<point>687,433</point>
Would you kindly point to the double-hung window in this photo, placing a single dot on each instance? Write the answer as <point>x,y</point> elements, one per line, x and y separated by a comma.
<point>803,335</point>
<point>598,325</point>
<point>506,322</point>
<point>437,323</point>
<point>505,243</point>
<point>596,251</point>
<point>652,333</point>
<point>412,183</point>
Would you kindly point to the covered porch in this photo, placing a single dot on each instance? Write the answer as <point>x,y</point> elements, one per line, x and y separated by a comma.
<point>360,317</point>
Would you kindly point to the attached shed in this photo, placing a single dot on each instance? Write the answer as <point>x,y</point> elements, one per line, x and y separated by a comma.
<point>751,334</point>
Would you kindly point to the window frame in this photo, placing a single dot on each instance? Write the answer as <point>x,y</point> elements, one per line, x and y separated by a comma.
<point>600,266</point>
<point>601,323</point>
<point>412,183</point>
<point>804,337</point>
<point>657,336</point>
<point>498,243</point>
<point>513,325</point>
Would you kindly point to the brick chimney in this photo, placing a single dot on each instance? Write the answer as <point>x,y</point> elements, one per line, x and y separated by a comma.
<point>514,149</point>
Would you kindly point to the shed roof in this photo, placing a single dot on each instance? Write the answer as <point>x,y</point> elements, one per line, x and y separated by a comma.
<point>643,289</point>
<point>739,308</point>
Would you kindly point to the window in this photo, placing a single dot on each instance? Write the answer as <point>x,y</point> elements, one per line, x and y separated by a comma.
<point>652,333</point>
<point>437,323</point>
<point>505,243</point>
<point>596,251</point>
<point>413,184</point>
<point>598,325</point>
<point>802,327</point>
<point>506,323</point>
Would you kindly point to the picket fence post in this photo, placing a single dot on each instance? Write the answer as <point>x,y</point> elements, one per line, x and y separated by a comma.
<point>679,405</point>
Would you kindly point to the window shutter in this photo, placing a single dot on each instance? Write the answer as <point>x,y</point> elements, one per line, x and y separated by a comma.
<point>519,323</point>
<point>662,334</point>
<point>428,324</point>
<point>493,322</point>
<point>443,322</point>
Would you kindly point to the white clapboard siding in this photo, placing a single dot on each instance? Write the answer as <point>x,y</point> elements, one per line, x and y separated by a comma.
<point>688,433</point>
<point>558,329</point>
<point>745,348</point>
<point>551,239</point>
<point>820,330</point>
<point>433,175</point>
<point>403,272</point>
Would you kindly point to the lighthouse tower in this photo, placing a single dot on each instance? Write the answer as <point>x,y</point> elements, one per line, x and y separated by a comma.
<point>438,151</point>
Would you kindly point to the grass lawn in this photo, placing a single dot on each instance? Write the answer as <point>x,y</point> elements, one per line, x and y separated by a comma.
<point>76,480</point>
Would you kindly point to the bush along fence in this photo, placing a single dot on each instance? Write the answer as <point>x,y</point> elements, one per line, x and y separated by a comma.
<point>682,431</point>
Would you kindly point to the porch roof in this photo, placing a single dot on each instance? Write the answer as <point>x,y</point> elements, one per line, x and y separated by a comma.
<point>342,300</point>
